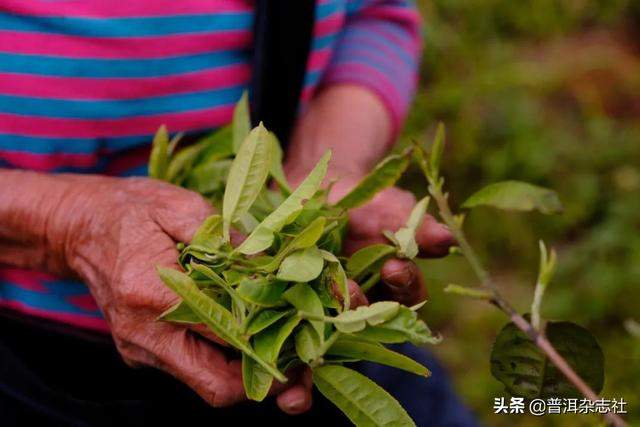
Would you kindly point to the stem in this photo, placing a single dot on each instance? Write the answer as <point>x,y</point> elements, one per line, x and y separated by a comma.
<point>501,303</point>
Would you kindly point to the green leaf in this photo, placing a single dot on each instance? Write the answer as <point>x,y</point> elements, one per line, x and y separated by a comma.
<point>269,342</point>
<point>337,275</point>
<point>246,177</point>
<point>262,292</point>
<point>364,402</point>
<point>301,266</point>
<point>276,171</point>
<point>404,326</point>
<point>209,177</point>
<point>208,236</point>
<point>436,151</point>
<point>308,344</point>
<point>305,239</point>
<point>406,236</point>
<point>212,314</point>
<point>373,352</point>
<point>384,175</point>
<point>241,123</point>
<point>516,195</point>
<point>266,318</point>
<point>355,320</point>
<point>159,158</point>
<point>262,237</point>
<point>267,345</point>
<point>525,370</point>
<point>367,259</point>
<point>255,379</point>
<point>180,313</point>
<point>219,281</point>
<point>303,298</point>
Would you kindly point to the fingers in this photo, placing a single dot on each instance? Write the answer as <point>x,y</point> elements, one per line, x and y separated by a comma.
<point>297,398</point>
<point>356,296</point>
<point>403,281</point>
<point>434,239</point>
<point>191,360</point>
<point>180,215</point>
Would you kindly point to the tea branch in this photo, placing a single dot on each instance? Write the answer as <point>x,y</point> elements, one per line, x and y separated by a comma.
<point>497,299</point>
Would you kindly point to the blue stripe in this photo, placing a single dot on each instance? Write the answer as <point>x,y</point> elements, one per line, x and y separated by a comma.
<point>97,68</point>
<point>329,8</point>
<point>141,170</point>
<point>43,301</point>
<point>324,42</point>
<point>373,37</point>
<point>108,109</point>
<point>399,76</point>
<point>38,145</point>
<point>127,27</point>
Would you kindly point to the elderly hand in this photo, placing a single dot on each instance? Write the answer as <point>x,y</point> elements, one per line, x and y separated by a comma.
<point>356,126</point>
<point>111,233</point>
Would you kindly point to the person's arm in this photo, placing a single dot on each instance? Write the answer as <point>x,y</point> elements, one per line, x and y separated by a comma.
<point>357,113</point>
<point>111,233</point>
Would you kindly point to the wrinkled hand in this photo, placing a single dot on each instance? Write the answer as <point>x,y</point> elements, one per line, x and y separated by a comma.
<point>115,232</point>
<point>389,210</point>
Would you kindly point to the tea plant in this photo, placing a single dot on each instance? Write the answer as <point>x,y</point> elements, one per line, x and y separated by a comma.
<point>281,296</point>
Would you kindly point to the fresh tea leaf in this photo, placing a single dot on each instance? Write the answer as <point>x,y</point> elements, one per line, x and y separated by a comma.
<point>266,318</point>
<point>209,235</point>
<point>212,314</point>
<point>303,298</point>
<point>262,292</point>
<point>269,342</point>
<point>276,171</point>
<point>301,266</point>
<point>262,237</point>
<point>404,326</point>
<point>406,236</point>
<point>308,344</point>
<point>373,352</point>
<point>363,401</point>
<point>516,195</point>
<point>525,371</point>
<point>159,158</point>
<point>355,320</point>
<point>305,239</point>
<point>180,313</point>
<point>384,175</point>
<point>255,379</point>
<point>246,177</point>
<point>366,259</point>
<point>241,123</point>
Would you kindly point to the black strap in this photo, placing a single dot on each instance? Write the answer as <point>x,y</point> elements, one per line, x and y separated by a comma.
<point>282,41</point>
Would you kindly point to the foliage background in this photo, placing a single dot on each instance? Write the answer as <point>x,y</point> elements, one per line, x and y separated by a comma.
<point>548,92</point>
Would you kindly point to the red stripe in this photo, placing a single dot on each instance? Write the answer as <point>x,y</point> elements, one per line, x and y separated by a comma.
<point>130,126</point>
<point>122,9</point>
<point>24,279</point>
<point>329,25</point>
<point>121,48</point>
<point>48,162</point>
<point>122,88</point>
<point>126,161</point>
<point>318,59</point>
<point>82,321</point>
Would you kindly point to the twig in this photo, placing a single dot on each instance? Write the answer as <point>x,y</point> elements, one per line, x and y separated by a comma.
<point>435,188</point>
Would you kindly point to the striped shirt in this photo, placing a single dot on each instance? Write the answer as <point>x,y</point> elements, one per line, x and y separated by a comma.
<point>85,83</point>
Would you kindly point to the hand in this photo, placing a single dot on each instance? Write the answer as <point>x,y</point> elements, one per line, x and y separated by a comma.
<point>112,233</point>
<point>356,126</point>
<point>389,210</point>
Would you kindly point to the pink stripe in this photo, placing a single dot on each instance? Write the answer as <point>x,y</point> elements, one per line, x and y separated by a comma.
<point>329,25</point>
<point>23,279</point>
<point>121,88</point>
<point>113,9</point>
<point>130,126</point>
<point>86,322</point>
<point>121,48</point>
<point>84,302</point>
<point>318,59</point>
<point>48,162</point>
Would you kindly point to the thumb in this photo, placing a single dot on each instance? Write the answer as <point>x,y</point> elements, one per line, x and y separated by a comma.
<point>180,215</point>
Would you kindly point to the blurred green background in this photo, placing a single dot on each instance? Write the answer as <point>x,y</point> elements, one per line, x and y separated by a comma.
<point>547,92</point>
